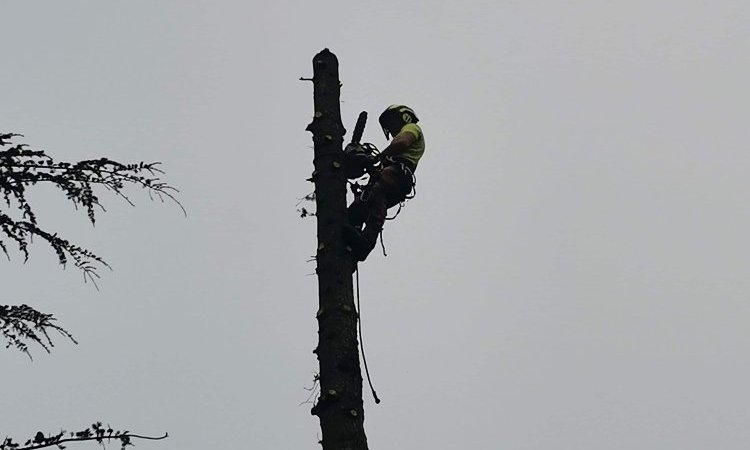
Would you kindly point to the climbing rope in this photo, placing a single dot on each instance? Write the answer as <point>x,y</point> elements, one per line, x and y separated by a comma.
<point>382,243</point>
<point>361,342</point>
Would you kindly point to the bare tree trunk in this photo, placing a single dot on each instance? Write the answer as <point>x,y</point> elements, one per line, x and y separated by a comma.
<point>339,407</point>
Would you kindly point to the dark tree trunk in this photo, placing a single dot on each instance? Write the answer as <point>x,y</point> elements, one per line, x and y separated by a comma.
<point>339,407</point>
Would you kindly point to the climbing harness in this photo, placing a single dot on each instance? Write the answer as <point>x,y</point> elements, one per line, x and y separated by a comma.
<point>412,190</point>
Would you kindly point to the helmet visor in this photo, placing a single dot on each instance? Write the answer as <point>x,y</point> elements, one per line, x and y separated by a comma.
<point>391,123</point>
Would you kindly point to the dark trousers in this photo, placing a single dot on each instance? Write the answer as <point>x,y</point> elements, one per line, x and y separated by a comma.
<point>387,188</point>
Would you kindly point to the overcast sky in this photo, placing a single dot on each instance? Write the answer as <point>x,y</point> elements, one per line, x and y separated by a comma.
<point>573,273</point>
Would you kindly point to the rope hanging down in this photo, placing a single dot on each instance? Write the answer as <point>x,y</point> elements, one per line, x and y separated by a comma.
<point>361,343</point>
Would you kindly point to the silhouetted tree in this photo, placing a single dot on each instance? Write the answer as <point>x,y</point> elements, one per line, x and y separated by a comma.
<point>339,406</point>
<point>21,168</point>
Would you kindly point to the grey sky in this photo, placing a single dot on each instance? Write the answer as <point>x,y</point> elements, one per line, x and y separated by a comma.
<point>573,273</point>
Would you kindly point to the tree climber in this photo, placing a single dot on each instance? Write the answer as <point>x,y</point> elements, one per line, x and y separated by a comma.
<point>390,184</point>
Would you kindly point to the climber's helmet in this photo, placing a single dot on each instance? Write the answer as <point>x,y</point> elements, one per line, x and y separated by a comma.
<point>395,117</point>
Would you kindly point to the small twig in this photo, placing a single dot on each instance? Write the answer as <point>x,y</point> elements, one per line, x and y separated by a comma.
<point>314,390</point>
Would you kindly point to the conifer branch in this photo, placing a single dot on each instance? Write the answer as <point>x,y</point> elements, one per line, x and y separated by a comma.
<point>96,432</point>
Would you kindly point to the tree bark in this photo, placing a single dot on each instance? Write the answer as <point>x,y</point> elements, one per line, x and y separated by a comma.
<point>339,407</point>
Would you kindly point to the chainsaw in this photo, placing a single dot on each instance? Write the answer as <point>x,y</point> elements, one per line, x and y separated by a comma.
<point>360,158</point>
